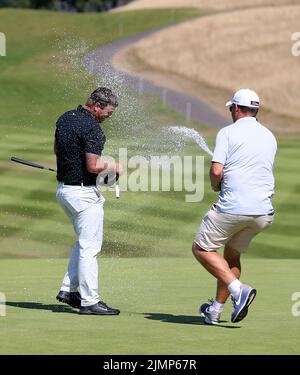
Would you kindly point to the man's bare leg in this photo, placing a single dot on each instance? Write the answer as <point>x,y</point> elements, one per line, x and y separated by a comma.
<point>215,264</point>
<point>232,257</point>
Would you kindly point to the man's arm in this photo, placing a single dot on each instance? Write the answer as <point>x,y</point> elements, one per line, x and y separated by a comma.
<point>216,175</point>
<point>96,164</point>
<point>219,160</point>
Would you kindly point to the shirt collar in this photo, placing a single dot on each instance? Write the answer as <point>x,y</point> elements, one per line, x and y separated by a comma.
<point>83,110</point>
<point>245,120</point>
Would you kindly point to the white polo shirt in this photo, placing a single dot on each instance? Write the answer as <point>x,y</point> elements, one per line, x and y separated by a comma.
<point>247,150</point>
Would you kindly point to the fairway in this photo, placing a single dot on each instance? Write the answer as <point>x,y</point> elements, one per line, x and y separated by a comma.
<point>146,268</point>
<point>159,299</point>
<point>140,223</point>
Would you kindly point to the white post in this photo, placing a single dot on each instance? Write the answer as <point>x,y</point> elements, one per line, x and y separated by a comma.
<point>188,112</point>
<point>2,44</point>
<point>141,85</point>
<point>164,97</point>
<point>2,304</point>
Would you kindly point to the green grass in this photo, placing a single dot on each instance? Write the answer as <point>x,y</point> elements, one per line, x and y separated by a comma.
<point>159,288</point>
<point>159,299</point>
<point>36,88</point>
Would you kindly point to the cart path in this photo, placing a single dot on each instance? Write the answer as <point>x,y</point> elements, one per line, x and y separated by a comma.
<point>100,60</point>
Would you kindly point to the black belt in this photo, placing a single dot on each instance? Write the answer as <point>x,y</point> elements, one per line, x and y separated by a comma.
<point>269,214</point>
<point>78,184</point>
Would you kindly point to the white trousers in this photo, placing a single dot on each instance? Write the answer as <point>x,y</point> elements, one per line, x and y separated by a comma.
<point>84,207</point>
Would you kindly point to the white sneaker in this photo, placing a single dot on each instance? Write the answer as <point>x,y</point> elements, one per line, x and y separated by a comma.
<point>242,302</point>
<point>211,316</point>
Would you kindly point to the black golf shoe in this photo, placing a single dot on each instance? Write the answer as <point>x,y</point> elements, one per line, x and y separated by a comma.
<point>99,308</point>
<point>73,299</point>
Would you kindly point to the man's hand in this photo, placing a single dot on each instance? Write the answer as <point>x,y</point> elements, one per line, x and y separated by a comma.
<point>119,169</point>
<point>216,175</point>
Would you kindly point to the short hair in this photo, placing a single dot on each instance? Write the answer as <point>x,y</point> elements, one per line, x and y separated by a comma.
<point>251,111</point>
<point>103,96</point>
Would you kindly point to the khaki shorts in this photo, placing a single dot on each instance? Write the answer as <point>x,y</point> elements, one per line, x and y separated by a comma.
<point>218,229</point>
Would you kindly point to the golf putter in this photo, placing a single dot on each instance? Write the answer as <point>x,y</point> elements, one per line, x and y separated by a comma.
<point>30,164</point>
<point>39,166</point>
<point>117,190</point>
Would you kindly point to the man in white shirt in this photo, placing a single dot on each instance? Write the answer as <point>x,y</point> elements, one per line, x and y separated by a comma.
<point>242,170</point>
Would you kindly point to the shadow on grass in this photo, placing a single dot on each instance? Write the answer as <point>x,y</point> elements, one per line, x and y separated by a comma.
<point>41,306</point>
<point>184,319</point>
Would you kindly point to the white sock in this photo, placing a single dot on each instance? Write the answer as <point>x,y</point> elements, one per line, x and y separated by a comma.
<point>217,306</point>
<point>235,287</point>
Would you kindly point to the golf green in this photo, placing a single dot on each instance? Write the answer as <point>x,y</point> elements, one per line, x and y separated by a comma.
<point>159,300</point>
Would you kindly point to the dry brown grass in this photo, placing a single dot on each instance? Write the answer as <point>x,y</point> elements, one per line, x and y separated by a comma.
<point>204,4</point>
<point>215,55</point>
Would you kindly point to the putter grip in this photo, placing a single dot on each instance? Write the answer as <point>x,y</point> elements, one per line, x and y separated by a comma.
<point>30,164</point>
<point>25,162</point>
